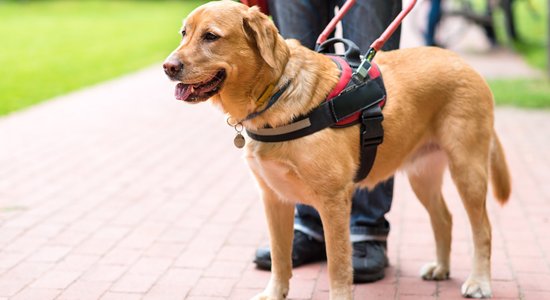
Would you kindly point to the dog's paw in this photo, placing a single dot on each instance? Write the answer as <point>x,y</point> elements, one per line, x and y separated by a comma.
<point>433,271</point>
<point>473,288</point>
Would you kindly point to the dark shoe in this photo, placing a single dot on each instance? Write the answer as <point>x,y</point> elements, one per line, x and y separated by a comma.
<point>369,261</point>
<point>305,249</point>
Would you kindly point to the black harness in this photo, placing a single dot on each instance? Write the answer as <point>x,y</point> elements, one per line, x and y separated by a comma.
<point>354,102</point>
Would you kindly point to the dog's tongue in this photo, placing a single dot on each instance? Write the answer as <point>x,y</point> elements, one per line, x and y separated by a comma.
<point>183,91</point>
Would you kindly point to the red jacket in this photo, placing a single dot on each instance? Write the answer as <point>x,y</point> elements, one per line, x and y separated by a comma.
<point>262,4</point>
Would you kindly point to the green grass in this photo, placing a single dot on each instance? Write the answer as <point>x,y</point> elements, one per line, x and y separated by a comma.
<point>52,47</point>
<point>532,24</point>
<point>527,93</point>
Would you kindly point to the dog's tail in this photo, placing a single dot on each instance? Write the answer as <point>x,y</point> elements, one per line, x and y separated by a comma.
<point>500,176</point>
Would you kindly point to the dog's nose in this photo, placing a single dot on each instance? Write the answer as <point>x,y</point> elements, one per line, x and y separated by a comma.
<point>172,68</point>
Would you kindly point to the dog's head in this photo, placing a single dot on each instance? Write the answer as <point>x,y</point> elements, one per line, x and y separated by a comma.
<point>228,52</point>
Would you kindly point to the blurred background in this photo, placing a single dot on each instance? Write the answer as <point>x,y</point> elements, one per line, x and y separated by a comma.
<point>52,47</point>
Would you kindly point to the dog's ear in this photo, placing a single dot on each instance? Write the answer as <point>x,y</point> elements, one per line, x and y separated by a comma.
<point>263,33</point>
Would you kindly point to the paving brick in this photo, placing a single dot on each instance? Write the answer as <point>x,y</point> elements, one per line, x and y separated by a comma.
<point>84,290</point>
<point>9,234</point>
<point>177,235</point>
<point>416,286</point>
<point>142,237</point>
<point>323,283</point>
<point>225,269</point>
<point>134,283</point>
<point>411,268</point>
<point>529,265</point>
<point>320,295</point>
<point>501,271</point>
<point>505,289</point>
<point>121,256</point>
<point>56,279</point>
<point>150,266</point>
<point>535,295</point>
<point>95,246</point>
<point>165,249</point>
<point>375,291</point>
<point>195,259</point>
<point>181,277</point>
<point>10,286</point>
<point>252,279</point>
<point>213,287</point>
<point>108,273</point>
<point>301,288</point>
<point>167,292</point>
<point>238,294</point>
<point>36,293</point>
<point>77,262</point>
<point>415,297</point>
<point>534,281</point>
<point>307,272</point>
<point>121,296</point>
<point>450,289</point>
<point>50,254</point>
<point>9,260</point>
<point>236,253</point>
<point>29,270</point>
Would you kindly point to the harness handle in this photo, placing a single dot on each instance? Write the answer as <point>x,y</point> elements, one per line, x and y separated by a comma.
<point>351,54</point>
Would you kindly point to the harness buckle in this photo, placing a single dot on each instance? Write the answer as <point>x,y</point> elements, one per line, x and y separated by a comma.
<point>372,132</point>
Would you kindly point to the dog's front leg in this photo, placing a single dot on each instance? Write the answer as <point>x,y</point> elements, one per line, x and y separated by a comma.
<point>280,220</point>
<point>335,215</point>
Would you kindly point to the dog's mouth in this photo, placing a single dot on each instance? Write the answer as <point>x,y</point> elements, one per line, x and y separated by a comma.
<point>200,91</point>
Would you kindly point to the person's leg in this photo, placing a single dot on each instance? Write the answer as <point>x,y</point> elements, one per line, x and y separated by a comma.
<point>303,20</point>
<point>308,221</point>
<point>434,16</point>
<point>368,222</point>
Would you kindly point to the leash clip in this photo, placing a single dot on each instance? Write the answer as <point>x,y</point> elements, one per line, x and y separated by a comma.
<point>362,73</point>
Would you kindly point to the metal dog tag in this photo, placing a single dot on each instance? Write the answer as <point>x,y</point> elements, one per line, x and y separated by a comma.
<point>239,140</point>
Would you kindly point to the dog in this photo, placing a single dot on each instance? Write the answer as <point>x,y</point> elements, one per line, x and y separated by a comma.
<point>439,114</point>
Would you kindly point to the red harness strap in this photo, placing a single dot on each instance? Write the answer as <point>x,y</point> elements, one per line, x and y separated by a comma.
<point>345,77</point>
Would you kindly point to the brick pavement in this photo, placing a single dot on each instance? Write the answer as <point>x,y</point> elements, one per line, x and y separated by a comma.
<point>107,193</point>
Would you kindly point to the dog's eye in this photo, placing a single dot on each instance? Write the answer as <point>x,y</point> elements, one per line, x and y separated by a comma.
<point>209,36</point>
<point>183,33</point>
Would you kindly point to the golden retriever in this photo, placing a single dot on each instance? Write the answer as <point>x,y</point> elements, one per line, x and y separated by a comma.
<point>439,113</point>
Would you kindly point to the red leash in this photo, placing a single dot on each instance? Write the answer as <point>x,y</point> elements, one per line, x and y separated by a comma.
<point>376,45</point>
<point>330,27</point>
